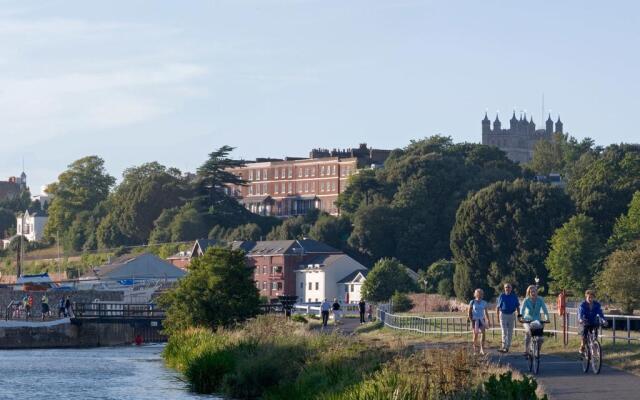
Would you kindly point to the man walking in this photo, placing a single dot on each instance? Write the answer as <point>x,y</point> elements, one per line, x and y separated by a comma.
<point>507,306</point>
<point>362,308</point>
<point>324,311</point>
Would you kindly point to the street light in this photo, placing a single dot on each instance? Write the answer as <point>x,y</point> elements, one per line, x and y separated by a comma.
<point>425,296</point>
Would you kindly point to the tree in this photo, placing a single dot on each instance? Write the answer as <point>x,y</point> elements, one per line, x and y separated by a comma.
<point>627,227</point>
<point>620,279</point>
<point>249,231</point>
<point>575,252</point>
<point>7,222</point>
<point>218,291</point>
<point>439,271</point>
<point>604,184</point>
<point>81,187</point>
<point>560,154</point>
<point>385,278</point>
<point>138,201</point>
<point>214,175</point>
<point>373,232</point>
<point>187,224</point>
<point>161,232</point>
<point>401,302</point>
<point>331,230</point>
<point>502,233</point>
<point>363,189</point>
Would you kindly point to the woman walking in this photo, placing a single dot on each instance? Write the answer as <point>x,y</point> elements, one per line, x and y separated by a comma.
<point>479,317</point>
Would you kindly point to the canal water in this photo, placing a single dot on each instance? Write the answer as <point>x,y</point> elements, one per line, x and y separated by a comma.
<point>132,372</point>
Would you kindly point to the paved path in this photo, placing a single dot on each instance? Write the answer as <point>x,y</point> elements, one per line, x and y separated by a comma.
<point>347,326</point>
<point>563,379</point>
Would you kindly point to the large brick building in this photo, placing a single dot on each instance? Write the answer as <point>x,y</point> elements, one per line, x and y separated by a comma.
<point>12,187</point>
<point>520,139</point>
<point>292,186</point>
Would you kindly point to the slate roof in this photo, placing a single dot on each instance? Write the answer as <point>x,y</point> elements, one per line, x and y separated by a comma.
<point>203,244</point>
<point>288,247</point>
<point>325,260</point>
<point>352,275</point>
<point>144,266</point>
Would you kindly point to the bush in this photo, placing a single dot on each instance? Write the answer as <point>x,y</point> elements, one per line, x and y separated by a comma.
<point>299,318</point>
<point>401,302</point>
<point>445,288</point>
<point>504,387</point>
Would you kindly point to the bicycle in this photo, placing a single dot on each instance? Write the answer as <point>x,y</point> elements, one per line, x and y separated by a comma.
<point>535,344</point>
<point>592,353</point>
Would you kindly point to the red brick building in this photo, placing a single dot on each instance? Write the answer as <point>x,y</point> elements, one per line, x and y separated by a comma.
<point>293,186</point>
<point>275,262</point>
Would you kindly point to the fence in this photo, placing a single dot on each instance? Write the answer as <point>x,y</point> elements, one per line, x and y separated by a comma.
<point>622,328</point>
<point>347,309</point>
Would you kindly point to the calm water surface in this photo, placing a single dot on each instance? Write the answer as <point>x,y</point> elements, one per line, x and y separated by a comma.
<point>135,373</point>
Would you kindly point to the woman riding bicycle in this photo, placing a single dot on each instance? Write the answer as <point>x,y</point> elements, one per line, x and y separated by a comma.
<point>532,307</point>
<point>588,314</point>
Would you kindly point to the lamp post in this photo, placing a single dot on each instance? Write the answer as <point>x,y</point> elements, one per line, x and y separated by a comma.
<point>425,296</point>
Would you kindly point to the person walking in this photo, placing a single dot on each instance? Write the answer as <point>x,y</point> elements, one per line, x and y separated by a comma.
<point>29,306</point>
<point>67,307</point>
<point>44,302</point>
<point>479,317</point>
<point>336,311</point>
<point>61,309</point>
<point>370,313</point>
<point>362,307</point>
<point>325,306</point>
<point>506,308</point>
<point>25,306</point>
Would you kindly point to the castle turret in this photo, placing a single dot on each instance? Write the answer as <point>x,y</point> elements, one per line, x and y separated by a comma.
<point>531,129</point>
<point>549,126</point>
<point>513,123</point>
<point>559,125</point>
<point>497,125</point>
<point>486,125</point>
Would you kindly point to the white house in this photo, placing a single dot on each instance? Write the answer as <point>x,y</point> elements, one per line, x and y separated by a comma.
<point>31,226</point>
<point>350,287</point>
<point>319,278</point>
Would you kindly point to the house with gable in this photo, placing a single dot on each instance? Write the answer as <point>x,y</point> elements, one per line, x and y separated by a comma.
<point>325,277</point>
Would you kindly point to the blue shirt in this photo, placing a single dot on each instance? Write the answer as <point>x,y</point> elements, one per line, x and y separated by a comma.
<point>588,315</point>
<point>508,303</point>
<point>531,311</point>
<point>477,309</point>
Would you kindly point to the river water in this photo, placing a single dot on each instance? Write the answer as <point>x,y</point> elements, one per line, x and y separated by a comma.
<point>112,373</point>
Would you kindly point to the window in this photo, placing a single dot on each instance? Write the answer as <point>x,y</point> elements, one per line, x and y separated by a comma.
<point>333,186</point>
<point>279,286</point>
<point>265,174</point>
<point>333,172</point>
<point>353,288</point>
<point>257,175</point>
<point>264,285</point>
<point>310,286</point>
<point>290,187</point>
<point>264,269</point>
<point>290,172</point>
<point>251,189</point>
<point>274,286</point>
<point>322,170</point>
<point>258,285</point>
<point>275,188</point>
<point>317,286</point>
<point>322,186</point>
<point>264,189</point>
<point>277,269</point>
<point>301,285</point>
<point>306,172</point>
<point>250,174</point>
<point>313,171</point>
<point>299,172</point>
<point>283,188</point>
<point>306,187</point>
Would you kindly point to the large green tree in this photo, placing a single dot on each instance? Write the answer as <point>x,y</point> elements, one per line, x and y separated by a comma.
<point>576,250</point>
<point>7,222</point>
<point>417,195</point>
<point>138,201</point>
<point>82,187</point>
<point>627,227</point>
<point>331,230</point>
<point>218,291</point>
<point>560,154</point>
<point>620,279</point>
<point>502,233</point>
<point>387,277</point>
<point>604,184</point>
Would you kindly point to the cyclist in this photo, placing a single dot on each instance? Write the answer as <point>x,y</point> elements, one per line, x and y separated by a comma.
<point>532,307</point>
<point>588,314</point>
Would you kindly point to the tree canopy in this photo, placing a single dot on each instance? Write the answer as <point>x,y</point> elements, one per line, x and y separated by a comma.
<point>627,228</point>
<point>387,277</point>
<point>502,232</point>
<point>218,291</point>
<point>620,279</point>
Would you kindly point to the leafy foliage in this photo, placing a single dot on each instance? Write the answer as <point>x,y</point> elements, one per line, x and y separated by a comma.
<point>575,253</point>
<point>620,279</point>
<point>627,227</point>
<point>218,291</point>
<point>560,154</point>
<point>401,302</point>
<point>502,232</point>
<point>387,277</point>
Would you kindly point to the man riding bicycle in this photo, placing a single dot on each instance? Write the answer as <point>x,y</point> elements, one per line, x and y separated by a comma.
<point>588,314</point>
<point>532,307</point>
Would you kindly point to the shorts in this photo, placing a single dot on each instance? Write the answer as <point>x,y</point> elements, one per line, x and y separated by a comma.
<point>586,329</point>
<point>478,325</point>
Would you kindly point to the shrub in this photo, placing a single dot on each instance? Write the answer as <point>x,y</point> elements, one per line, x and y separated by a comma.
<point>299,318</point>
<point>445,288</point>
<point>504,387</point>
<point>401,302</point>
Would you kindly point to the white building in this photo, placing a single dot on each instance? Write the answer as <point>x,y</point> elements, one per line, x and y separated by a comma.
<point>31,226</point>
<point>319,278</point>
<point>350,287</point>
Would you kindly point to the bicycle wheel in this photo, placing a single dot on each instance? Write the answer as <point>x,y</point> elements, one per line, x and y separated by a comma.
<point>536,358</point>
<point>596,357</point>
<point>585,359</point>
<point>530,356</point>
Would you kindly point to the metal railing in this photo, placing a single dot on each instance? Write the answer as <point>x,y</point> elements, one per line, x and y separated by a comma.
<point>310,309</point>
<point>455,325</point>
<point>116,311</point>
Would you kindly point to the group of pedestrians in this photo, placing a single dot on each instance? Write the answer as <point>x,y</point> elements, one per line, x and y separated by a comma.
<point>533,308</point>
<point>326,308</point>
<point>25,307</point>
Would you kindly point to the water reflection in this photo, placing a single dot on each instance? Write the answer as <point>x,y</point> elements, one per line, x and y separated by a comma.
<point>135,373</point>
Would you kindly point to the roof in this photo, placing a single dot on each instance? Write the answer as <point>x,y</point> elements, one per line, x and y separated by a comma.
<point>144,266</point>
<point>349,278</point>
<point>288,247</point>
<point>203,245</point>
<point>38,278</point>
<point>325,260</point>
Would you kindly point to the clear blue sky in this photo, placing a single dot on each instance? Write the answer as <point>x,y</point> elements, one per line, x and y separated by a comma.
<point>136,81</point>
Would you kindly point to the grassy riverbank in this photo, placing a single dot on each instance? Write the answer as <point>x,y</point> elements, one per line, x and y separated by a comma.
<point>271,358</point>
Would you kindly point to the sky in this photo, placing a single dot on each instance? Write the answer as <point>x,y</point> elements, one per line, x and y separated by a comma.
<point>168,81</point>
